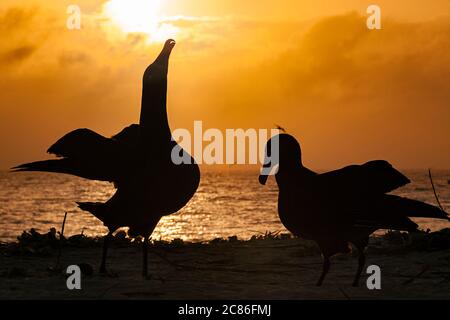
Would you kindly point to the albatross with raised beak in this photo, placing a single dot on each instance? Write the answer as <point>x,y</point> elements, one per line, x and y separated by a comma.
<point>137,160</point>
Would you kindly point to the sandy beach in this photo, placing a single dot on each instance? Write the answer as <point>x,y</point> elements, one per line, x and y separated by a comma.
<point>265,267</point>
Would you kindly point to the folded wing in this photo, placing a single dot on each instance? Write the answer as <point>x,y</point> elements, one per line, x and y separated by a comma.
<point>374,177</point>
<point>358,193</point>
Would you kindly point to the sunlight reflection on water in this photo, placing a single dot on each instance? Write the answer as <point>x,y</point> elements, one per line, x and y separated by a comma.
<point>227,203</point>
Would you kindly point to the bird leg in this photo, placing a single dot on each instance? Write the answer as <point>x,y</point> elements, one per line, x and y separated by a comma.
<point>325,269</point>
<point>361,263</point>
<point>106,240</point>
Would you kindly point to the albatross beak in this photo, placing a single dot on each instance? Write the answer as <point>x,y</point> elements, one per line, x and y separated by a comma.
<point>271,160</point>
<point>267,170</point>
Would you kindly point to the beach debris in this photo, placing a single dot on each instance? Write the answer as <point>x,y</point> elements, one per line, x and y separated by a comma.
<point>439,240</point>
<point>33,243</point>
<point>177,242</point>
<point>420,241</point>
<point>395,237</point>
<point>76,238</point>
<point>272,235</point>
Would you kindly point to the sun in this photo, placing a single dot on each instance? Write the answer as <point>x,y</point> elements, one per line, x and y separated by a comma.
<point>140,16</point>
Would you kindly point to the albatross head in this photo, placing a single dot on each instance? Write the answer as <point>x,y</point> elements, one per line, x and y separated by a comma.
<point>160,67</point>
<point>168,46</point>
<point>282,151</point>
<point>163,57</point>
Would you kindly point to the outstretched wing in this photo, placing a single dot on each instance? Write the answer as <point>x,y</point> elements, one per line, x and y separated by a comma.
<point>87,154</point>
<point>82,143</point>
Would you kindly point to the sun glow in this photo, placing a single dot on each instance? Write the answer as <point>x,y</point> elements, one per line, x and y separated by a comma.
<point>140,16</point>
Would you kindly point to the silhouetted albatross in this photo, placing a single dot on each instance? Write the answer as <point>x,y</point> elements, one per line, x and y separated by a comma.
<point>342,206</point>
<point>137,160</point>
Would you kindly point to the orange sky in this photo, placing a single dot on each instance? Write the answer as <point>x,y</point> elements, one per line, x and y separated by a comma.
<point>347,93</point>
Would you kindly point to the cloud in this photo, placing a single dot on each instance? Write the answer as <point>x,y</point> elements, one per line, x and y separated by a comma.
<point>71,58</point>
<point>22,34</point>
<point>378,93</point>
<point>12,21</point>
<point>17,54</point>
<point>340,59</point>
<point>349,93</point>
<point>15,18</point>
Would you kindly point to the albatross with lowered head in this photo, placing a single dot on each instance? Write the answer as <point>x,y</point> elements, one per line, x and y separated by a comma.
<point>340,207</point>
<point>137,160</point>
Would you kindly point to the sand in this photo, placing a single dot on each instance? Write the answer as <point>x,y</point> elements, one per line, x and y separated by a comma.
<point>266,267</point>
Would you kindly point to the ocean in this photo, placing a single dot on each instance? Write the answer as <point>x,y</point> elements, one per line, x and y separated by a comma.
<point>228,203</point>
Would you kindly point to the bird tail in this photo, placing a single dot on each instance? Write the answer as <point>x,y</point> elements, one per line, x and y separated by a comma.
<point>59,166</point>
<point>85,169</point>
<point>95,208</point>
<point>419,209</point>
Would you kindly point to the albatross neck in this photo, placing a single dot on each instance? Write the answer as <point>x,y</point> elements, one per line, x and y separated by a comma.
<point>154,122</point>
